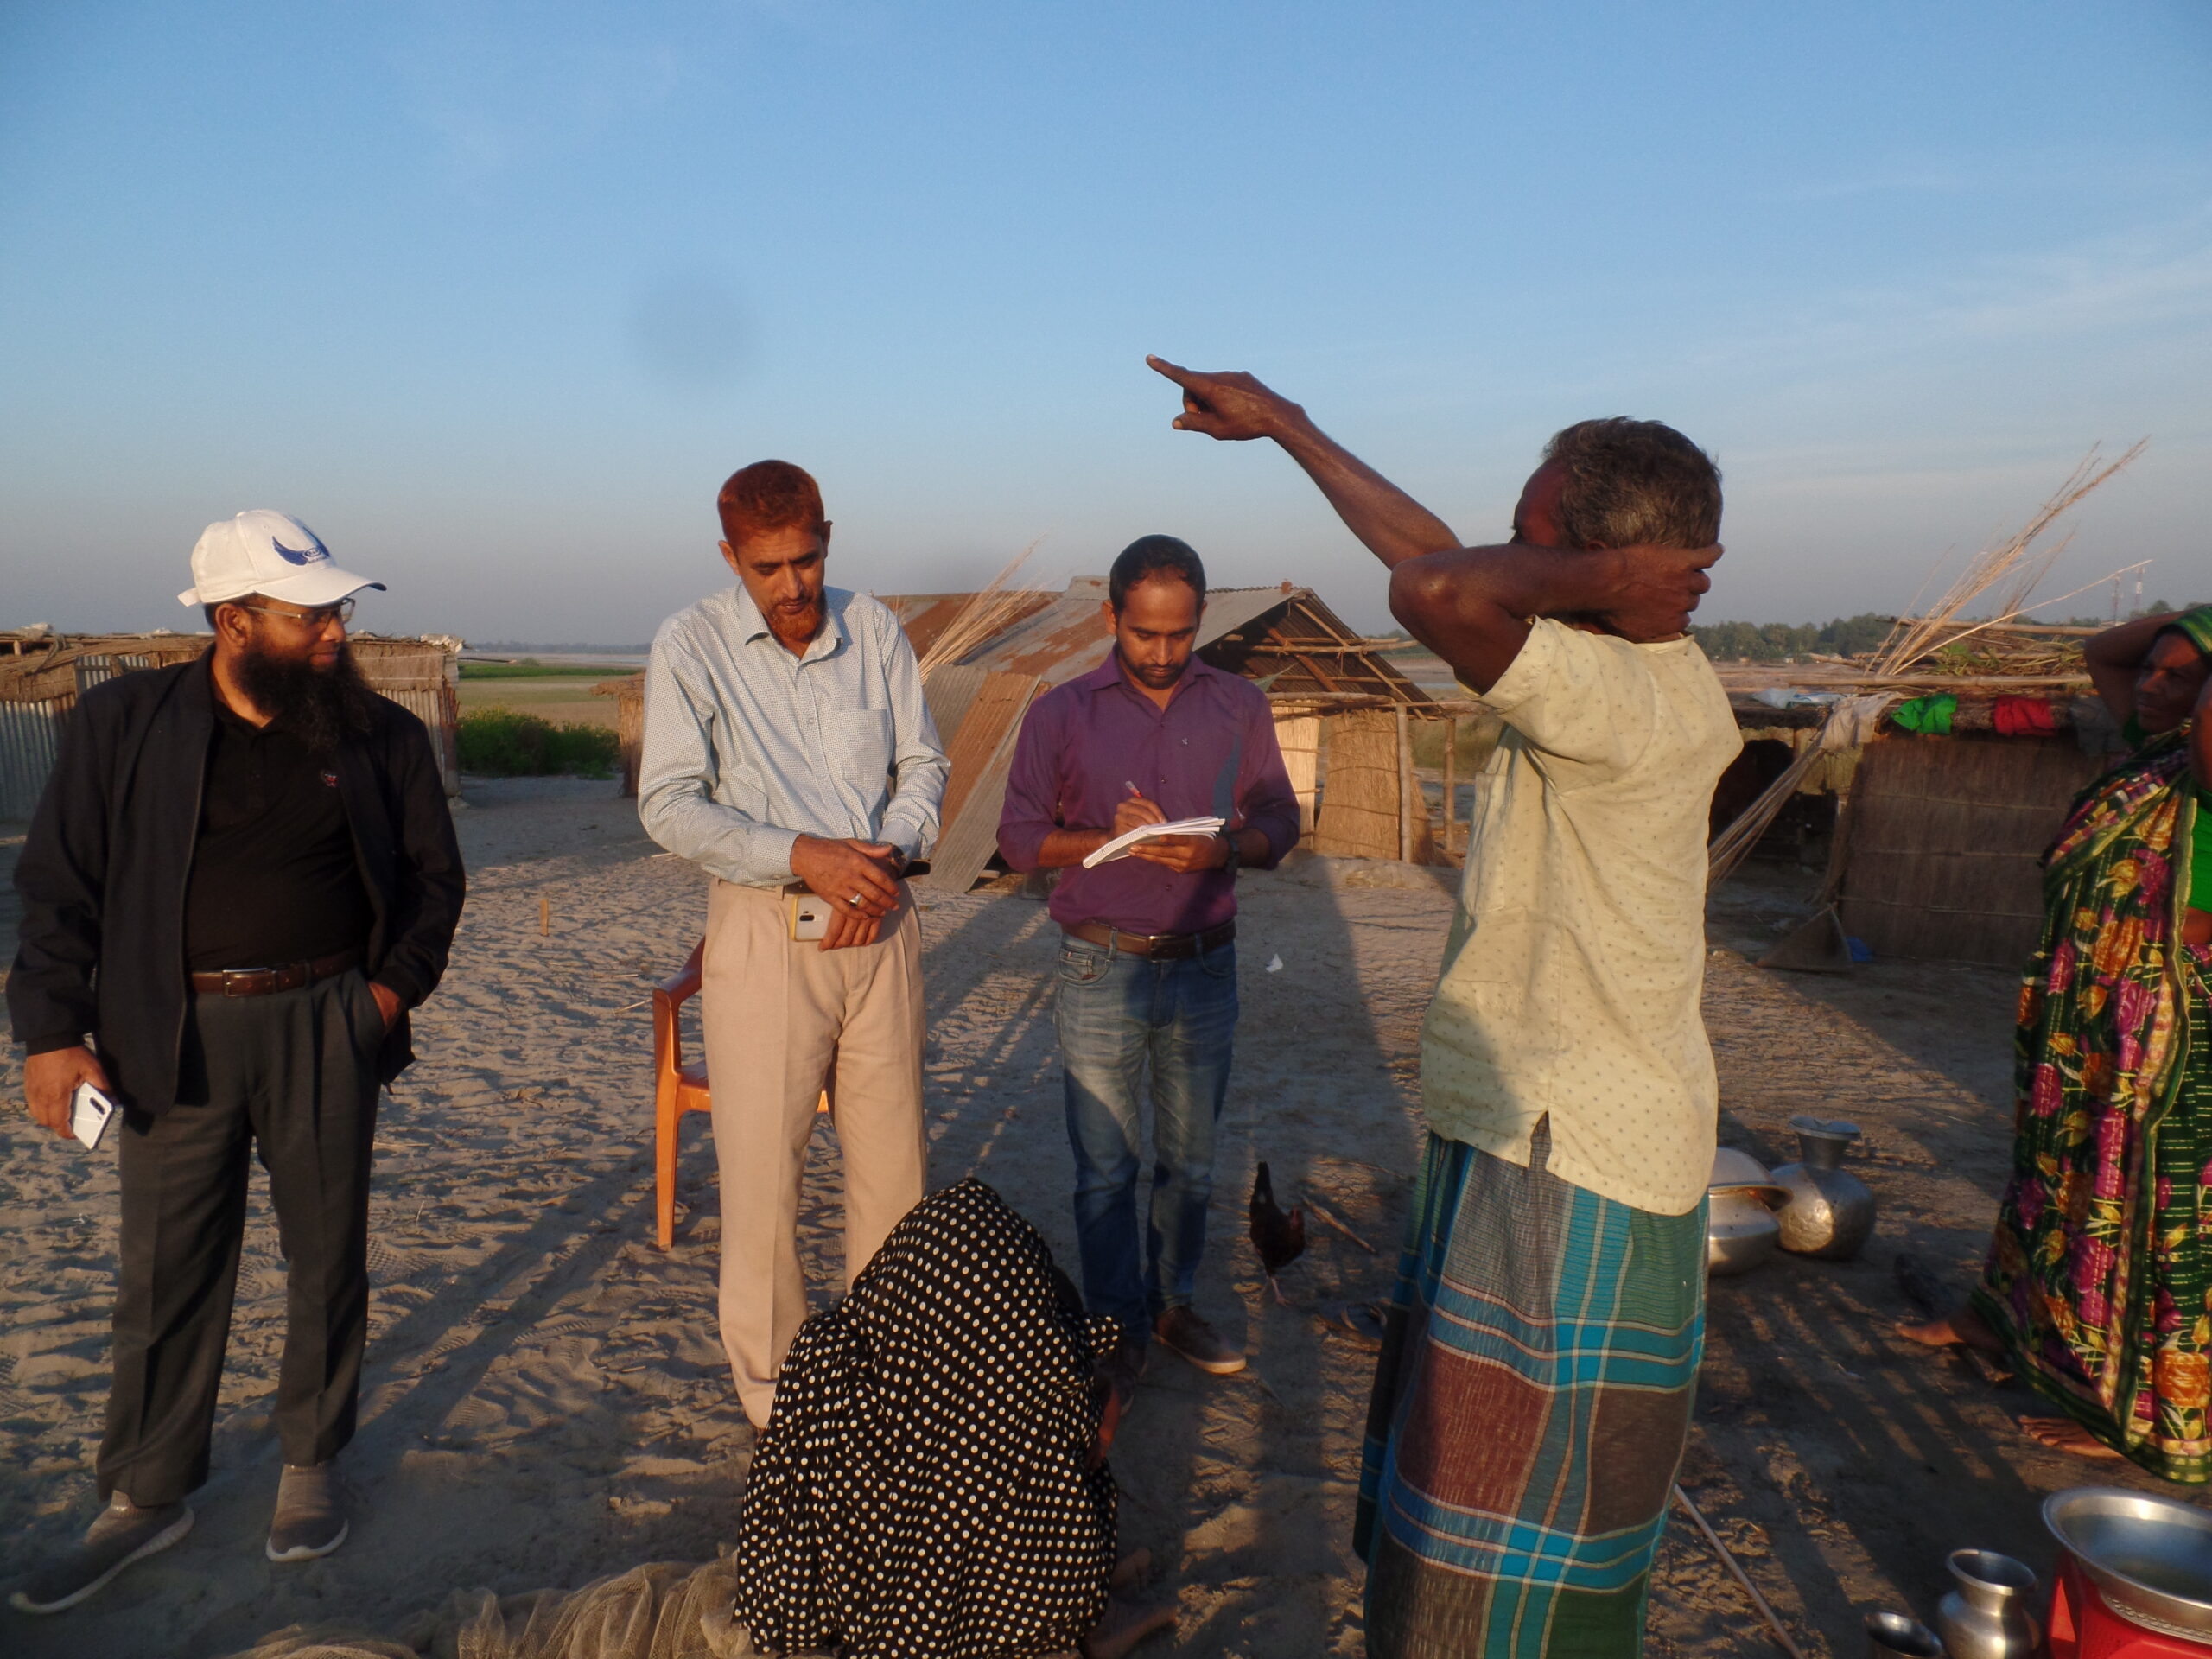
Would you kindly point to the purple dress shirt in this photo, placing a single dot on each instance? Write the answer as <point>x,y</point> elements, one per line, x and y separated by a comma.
<point>1210,753</point>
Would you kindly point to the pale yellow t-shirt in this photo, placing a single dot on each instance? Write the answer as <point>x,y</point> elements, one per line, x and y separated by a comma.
<point>1573,973</point>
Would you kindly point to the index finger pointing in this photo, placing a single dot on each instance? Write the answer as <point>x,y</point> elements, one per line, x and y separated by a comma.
<point>1182,376</point>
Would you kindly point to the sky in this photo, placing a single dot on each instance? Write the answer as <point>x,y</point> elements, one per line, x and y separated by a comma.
<point>494,295</point>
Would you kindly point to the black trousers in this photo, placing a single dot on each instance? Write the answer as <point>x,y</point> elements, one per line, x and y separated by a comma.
<point>291,1077</point>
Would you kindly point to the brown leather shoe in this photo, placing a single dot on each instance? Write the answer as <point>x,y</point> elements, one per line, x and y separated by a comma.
<point>1181,1329</point>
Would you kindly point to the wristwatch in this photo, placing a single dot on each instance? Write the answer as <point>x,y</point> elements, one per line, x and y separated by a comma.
<point>1230,865</point>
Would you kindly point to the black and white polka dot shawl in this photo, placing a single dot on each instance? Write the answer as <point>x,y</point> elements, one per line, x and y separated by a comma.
<point>921,1491</point>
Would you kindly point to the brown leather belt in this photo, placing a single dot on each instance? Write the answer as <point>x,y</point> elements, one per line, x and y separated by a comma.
<point>1161,947</point>
<point>267,981</point>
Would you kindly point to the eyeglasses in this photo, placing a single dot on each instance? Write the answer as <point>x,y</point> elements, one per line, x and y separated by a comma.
<point>322,617</point>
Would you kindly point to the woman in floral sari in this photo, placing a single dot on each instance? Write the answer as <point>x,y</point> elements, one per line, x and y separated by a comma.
<point>2098,1287</point>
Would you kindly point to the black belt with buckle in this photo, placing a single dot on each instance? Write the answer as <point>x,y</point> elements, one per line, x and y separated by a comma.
<point>1160,947</point>
<point>267,981</point>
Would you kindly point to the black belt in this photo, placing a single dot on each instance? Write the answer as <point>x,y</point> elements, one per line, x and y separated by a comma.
<point>1162,947</point>
<point>267,981</point>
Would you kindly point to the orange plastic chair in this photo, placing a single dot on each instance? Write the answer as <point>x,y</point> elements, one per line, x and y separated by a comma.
<point>677,1087</point>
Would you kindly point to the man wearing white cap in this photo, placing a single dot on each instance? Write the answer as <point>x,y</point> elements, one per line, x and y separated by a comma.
<point>241,876</point>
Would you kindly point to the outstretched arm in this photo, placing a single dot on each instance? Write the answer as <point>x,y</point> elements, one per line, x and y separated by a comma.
<point>1470,605</point>
<point>1237,408</point>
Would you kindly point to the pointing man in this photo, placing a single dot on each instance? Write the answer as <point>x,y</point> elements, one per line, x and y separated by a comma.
<point>1535,1388</point>
<point>241,876</point>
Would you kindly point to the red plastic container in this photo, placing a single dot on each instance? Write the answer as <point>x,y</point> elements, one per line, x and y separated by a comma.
<point>2082,1626</point>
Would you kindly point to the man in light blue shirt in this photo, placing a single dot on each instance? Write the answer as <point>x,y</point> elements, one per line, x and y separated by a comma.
<point>788,752</point>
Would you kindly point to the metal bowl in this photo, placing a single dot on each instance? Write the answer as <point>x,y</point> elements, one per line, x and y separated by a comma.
<point>1740,1231</point>
<point>2150,1556</point>
<point>1740,1228</point>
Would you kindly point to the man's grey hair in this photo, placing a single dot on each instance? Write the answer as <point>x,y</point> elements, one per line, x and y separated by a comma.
<point>1631,483</point>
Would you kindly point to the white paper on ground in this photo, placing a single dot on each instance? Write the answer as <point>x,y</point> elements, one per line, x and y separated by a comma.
<point>1119,847</point>
<point>1275,964</point>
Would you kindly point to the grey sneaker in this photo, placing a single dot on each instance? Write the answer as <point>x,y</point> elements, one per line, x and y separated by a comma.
<point>1181,1329</point>
<point>124,1533</point>
<point>310,1520</point>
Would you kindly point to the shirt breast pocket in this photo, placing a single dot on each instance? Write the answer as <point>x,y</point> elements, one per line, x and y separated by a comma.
<point>860,742</point>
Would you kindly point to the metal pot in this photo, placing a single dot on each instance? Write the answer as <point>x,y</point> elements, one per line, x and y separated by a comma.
<point>1829,1212</point>
<point>1988,1614</point>
<point>2149,1556</point>
<point>1740,1230</point>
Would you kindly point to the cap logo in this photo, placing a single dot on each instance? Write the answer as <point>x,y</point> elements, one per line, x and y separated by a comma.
<point>313,553</point>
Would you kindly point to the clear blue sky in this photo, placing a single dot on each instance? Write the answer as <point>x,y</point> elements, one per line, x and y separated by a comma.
<point>494,295</point>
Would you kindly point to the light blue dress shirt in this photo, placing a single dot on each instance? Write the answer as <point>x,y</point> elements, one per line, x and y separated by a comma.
<point>747,747</point>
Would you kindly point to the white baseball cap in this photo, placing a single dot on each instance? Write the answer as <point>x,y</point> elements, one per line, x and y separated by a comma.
<point>269,553</point>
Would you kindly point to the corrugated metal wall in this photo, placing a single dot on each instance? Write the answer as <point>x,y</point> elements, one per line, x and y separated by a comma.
<point>420,675</point>
<point>30,742</point>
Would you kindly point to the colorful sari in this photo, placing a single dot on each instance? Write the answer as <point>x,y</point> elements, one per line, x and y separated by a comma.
<point>2099,1272</point>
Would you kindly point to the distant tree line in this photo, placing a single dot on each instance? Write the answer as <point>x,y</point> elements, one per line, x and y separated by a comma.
<point>1780,642</point>
<point>1846,636</point>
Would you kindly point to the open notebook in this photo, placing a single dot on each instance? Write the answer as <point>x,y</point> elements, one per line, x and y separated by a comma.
<point>1120,845</point>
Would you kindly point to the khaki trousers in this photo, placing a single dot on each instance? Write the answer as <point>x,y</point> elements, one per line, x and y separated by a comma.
<point>783,1021</point>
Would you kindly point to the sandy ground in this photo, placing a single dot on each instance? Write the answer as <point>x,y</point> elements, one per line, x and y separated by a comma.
<point>546,1401</point>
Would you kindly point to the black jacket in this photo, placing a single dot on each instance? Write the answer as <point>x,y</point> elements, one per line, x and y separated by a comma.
<point>102,875</point>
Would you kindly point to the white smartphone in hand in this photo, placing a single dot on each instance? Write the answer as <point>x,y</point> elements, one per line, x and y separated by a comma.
<point>810,916</point>
<point>89,1112</point>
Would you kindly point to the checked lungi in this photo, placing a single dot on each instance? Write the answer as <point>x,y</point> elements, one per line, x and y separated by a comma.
<point>1529,1411</point>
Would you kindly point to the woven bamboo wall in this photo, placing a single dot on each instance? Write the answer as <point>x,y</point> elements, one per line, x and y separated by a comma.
<point>1298,737</point>
<point>1360,796</point>
<point>1944,836</point>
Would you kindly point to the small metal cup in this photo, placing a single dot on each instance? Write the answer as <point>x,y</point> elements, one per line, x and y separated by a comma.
<point>1900,1635</point>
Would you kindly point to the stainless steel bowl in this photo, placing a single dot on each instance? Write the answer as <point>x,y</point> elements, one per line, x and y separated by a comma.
<point>1740,1228</point>
<point>1740,1231</point>
<point>1900,1635</point>
<point>2150,1556</point>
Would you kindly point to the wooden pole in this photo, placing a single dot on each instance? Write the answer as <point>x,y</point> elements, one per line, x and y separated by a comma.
<point>1451,780</point>
<point>1406,786</point>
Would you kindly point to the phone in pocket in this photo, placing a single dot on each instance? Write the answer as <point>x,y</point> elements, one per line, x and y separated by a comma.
<point>89,1113</point>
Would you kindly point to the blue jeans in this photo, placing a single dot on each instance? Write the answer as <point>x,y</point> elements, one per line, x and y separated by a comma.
<point>1120,1016</point>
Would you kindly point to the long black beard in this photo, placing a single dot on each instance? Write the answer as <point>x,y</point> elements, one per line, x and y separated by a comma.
<point>322,707</point>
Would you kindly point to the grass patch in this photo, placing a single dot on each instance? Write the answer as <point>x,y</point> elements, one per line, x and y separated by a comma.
<point>530,669</point>
<point>504,743</point>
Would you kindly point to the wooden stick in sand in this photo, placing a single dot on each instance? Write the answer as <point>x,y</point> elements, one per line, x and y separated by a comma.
<point>1313,1207</point>
<point>1728,1560</point>
<point>544,915</point>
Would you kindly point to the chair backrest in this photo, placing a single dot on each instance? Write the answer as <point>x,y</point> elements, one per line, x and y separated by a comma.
<point>669,997</point>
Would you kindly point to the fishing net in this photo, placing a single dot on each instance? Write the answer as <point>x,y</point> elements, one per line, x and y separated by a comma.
<point>662,1612</point>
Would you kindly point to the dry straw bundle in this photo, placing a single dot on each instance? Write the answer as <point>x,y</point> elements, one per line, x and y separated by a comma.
<point>983,617</point>
<point>2010,570</point>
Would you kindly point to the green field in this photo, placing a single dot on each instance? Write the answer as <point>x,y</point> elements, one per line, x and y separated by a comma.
<point>568,698</point>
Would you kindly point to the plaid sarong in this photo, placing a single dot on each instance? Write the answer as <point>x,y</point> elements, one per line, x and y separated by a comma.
<point>1529,1411</point>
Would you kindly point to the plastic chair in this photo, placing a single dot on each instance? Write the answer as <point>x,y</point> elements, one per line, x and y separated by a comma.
<point>677,1087</point>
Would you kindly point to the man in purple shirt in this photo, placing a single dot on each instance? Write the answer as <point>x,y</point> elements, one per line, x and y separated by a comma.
<point>1147,977</point>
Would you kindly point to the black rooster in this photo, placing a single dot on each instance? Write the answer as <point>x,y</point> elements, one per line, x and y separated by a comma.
<point>1280,1238</point>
